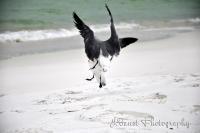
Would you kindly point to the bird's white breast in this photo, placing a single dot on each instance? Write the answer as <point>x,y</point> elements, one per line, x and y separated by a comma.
<point>101,69</point>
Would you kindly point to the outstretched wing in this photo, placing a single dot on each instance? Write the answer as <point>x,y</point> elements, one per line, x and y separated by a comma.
<point>112,26</point>
<point>126,41</point>
<point>84,30</point>
<point>112,44</point>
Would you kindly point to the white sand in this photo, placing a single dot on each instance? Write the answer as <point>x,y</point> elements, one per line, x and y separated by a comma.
<point>158,79</point>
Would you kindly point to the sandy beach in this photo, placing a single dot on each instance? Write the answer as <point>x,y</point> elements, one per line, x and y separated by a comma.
<point>156,81</point>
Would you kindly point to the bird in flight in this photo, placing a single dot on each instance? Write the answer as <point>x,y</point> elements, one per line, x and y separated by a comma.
<point>101,53</point>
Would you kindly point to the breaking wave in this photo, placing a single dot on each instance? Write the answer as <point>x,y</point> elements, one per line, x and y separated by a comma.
<point>34,35</point>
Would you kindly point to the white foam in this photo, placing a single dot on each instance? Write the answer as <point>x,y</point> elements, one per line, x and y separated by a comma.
<point>195,20</point>
<point>106,27</point>
<point>169,28</point>
<point>56,33</point>
<point>36,35</point>
<point>190,20</point>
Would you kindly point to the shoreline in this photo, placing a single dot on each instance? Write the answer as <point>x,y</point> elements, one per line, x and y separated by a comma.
<point>16,49</point>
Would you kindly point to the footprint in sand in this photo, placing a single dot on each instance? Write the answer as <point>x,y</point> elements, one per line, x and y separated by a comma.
<point>194,75</point>
<point>102,113</point>
<point>41,102</point>
<point>17,111</point>
<point>93,106</point>
<point>196,85</point>
<point>61,98</point>
<point>1,95</point>
<point>73,92</point>
<point>154,98</point>
<point>135,114</point>
<point>61,112</point>
<point>105,116</point>
<point>196,109</point>
<point>30,130</point>
<point>178,79</point>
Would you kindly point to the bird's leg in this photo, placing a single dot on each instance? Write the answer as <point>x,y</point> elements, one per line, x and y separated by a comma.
<point>94,65</point>
<point>100,85</point>
<point>89,79</point>
<point>111,58</point>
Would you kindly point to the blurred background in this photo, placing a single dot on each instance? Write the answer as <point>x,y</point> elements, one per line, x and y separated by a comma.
<point>47,14</point>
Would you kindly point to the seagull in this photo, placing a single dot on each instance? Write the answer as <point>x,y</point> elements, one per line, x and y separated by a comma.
<point>100,53</point>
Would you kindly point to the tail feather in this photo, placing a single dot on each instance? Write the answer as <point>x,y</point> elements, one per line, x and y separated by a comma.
<point>126,41</point>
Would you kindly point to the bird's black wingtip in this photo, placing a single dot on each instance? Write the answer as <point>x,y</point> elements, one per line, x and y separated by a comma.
<point>106,5</point>
<point>76,18</point>
<point>74,13</point>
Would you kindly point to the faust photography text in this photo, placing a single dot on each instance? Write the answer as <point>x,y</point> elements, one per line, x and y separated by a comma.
<point>125,123</point>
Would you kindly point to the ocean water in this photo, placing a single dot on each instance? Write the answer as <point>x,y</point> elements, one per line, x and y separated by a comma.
<point>30,20</point>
